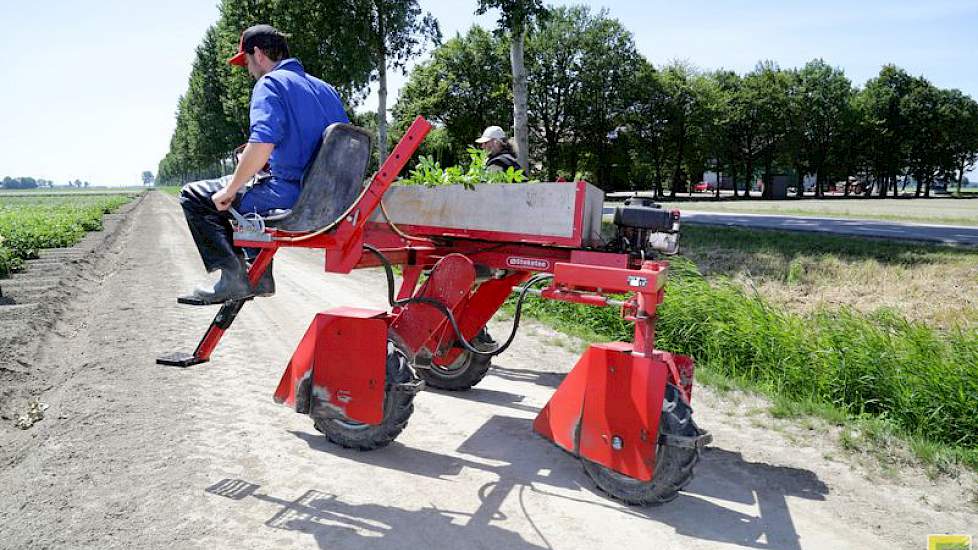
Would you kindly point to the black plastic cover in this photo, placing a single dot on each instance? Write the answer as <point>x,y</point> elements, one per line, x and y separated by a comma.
<point>333,180</point>
<point>643,217</point>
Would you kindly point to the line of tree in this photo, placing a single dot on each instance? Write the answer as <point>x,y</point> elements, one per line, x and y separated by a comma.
<point>597,108</point>
<point>349,43</point>
<point>24,183</point>
<point>594,106</point>
<point>28,182</point>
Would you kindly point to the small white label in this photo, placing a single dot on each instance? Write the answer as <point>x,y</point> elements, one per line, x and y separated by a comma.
<point>635,280</point>
<point>531,263</point>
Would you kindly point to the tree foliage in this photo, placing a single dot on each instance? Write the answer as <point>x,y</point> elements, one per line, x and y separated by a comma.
<point>462,89</point>
<point>212,115</point>
<point>516,17</point>
<point>595,108</point>
<point>390,32</point>
<point>26,182</point>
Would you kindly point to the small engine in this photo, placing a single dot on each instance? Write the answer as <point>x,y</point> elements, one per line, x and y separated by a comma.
<point>642,228</point>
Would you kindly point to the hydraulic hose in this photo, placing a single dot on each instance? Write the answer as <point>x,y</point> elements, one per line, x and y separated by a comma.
<point>389,271</point>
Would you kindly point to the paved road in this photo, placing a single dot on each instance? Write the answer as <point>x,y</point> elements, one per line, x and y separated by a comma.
<point>947,234</point>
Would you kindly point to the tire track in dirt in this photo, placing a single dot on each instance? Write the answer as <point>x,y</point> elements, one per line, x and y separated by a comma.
<point>135,455</point>
<point>34,301</point>
<point>95,471</point>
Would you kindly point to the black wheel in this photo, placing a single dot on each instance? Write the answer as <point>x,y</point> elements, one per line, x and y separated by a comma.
<point>398,406</point>
<point>467,369</point>
<point>673,462</point>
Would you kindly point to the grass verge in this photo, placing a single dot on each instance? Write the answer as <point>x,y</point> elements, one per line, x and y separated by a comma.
<point>804,272</point>
<point>879,373</point>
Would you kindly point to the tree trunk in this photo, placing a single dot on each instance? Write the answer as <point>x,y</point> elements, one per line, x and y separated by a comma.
<point>521,129</point>
<point>927,187</point>
<point>658,178</point>
<point>960,179</point>
<point>551,155</point>
<point>800,183</point>
<point>748,177</point>
<point>733,178</point>
<point>573,159</point>
<point>719,180</point>
<point>603,174</point>
<point>767,191</point>
<point>382,112</point>
<point>381,90</point>
<point>680,154</point>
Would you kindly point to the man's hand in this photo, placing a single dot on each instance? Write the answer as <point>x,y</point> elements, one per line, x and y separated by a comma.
<point>223,199</point>
<point>252,158</point>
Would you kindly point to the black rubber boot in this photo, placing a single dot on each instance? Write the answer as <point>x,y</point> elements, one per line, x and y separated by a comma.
<point>233,285</point>
<point>266,285</point>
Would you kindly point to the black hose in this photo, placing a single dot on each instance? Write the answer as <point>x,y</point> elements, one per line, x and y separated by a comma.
<point>448,312</point>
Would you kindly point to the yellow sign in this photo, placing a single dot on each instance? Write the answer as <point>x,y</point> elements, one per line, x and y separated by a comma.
<point>948,542</point>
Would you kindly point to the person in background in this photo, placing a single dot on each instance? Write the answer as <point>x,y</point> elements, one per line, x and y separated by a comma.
<point>289,112</point>
<point>500,151</point>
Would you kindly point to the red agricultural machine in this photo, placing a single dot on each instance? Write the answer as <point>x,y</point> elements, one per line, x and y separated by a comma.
<point>624,409</point>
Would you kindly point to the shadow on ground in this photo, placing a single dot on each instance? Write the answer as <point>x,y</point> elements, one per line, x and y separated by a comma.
<point>522,462</point>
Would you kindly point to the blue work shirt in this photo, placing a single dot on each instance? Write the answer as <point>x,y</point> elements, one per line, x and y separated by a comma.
<point>289,109</point>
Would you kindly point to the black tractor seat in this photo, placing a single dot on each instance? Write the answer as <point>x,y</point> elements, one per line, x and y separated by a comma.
<point>331,184</point>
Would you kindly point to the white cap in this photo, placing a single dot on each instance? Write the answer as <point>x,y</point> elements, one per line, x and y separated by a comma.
<point>492,132</point>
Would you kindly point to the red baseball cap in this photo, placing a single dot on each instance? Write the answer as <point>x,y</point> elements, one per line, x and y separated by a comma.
<point>258,35</point>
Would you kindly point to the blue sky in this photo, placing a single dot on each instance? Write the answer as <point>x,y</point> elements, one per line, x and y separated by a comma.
<point>89,88</point>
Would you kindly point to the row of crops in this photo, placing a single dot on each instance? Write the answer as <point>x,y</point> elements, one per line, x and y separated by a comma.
<point>30,222</point>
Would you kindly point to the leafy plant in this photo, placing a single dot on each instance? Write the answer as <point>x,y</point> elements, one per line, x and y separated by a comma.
<point>429,172</point>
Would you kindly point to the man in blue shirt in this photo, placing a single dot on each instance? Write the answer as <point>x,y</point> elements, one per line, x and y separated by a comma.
<point>289,112</point>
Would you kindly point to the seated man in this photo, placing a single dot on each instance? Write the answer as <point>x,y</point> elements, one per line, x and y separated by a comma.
<point>289,112</point>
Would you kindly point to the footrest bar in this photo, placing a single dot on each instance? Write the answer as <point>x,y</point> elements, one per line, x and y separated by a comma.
<point>180,359</point>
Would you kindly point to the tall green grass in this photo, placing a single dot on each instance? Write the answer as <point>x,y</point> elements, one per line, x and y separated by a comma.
<point>922,380</point>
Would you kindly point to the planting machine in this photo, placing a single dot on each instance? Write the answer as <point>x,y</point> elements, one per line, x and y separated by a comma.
<point>623,409</point>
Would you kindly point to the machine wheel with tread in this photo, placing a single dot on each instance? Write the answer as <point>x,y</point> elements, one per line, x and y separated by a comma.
<point>673,464</point>
<point>466,371</point>
<point>398,406</point>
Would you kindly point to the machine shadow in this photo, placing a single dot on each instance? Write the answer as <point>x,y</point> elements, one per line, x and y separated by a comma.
<point>335,523</point>
<point>498,398</point>
<point>540,378</point>
<point>524,462</point>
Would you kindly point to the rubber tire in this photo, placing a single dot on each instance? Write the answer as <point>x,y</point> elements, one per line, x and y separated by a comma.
<point>398,407</point>
<point>466,371</point>
<point>673,465</point>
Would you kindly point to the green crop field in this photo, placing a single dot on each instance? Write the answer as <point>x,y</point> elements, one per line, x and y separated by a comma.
<point>35,220</point>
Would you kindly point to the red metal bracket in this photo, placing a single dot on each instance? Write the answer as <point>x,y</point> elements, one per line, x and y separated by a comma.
<point>418,326</point>
<point>339,366</point>
<point>607,409</point>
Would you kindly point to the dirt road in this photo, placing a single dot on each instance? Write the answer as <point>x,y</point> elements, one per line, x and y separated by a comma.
<point>133,455</point>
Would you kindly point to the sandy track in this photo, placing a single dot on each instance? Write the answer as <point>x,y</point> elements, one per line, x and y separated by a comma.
<point>135,455</point>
